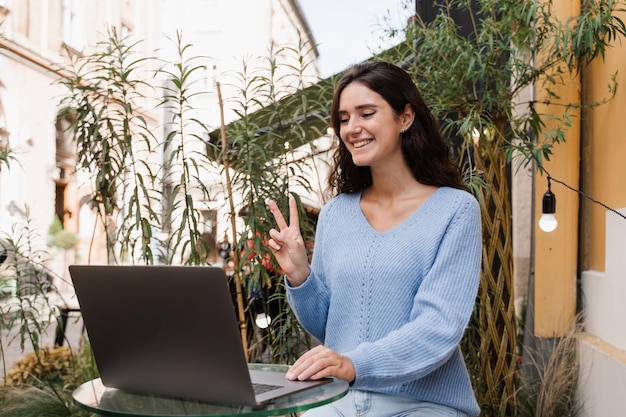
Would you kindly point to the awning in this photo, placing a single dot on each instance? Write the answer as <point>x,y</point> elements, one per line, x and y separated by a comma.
<point>291,122</point>
<point>297,119</point>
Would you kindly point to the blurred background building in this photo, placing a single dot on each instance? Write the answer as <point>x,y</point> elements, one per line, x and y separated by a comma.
<point>42,183</point>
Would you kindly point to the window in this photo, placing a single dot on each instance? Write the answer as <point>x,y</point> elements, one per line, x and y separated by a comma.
<point>65,161</point>
<point>209,221</point>
<point>73,29</point>
<point>125,31</point>
<point>4,11</point>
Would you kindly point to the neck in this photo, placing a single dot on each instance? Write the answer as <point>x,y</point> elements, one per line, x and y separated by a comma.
<point>393,183</point>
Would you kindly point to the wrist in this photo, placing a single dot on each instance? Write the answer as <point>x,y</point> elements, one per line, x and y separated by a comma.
<point>298,278</point>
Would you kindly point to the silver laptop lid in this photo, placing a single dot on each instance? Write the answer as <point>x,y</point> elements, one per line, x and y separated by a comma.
<point>154,329</point>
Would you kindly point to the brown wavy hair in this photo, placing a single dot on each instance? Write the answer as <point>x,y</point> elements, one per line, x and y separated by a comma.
<point>424,149</point>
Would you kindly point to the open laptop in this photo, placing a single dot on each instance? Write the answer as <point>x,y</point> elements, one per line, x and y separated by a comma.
<point>171,331</point>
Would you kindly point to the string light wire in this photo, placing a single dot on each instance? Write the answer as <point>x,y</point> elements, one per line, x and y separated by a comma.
<point>551,178</point>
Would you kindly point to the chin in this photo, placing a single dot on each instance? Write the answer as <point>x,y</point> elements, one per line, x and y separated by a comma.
<point>360,162</point>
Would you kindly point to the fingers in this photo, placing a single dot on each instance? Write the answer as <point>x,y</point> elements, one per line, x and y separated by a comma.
<point>305,367</point>
<point>294,220</point>
<point>288,246</point>
<point>278,216</point>
<point>321,362</point>
<point>274,245</point>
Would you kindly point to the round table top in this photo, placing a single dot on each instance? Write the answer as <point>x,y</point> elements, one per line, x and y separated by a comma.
<point>95,397</point>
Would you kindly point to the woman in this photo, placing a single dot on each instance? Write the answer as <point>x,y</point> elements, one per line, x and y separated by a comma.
<point>395,269</point>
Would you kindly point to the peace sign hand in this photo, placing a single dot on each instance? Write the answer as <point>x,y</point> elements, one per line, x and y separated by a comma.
<point>287,244</point>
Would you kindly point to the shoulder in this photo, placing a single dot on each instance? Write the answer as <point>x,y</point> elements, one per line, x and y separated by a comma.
<point>456,197</point>
<point>341,204</point>
<point>459,204</point>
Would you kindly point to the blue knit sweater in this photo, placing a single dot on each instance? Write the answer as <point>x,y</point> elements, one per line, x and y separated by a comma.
<point>397,303</point>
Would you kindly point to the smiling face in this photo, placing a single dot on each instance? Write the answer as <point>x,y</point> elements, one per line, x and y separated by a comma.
<point>369,127</point>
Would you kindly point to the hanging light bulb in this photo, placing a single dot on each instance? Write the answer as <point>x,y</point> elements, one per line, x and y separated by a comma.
<point>263,320</point>
<point>548,222</point>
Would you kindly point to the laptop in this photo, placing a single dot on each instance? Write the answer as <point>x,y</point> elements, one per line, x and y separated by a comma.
<point>171,331</point>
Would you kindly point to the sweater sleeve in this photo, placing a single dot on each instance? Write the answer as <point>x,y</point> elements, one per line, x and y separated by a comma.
<point>439,315</point>
<point>310,300</point>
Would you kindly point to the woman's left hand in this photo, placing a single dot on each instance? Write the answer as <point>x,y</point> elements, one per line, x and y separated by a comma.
<point>322,362</point>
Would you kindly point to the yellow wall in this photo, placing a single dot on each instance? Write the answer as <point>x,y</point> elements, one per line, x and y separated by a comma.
<point>605,148</point>
<point>556,252</point>
<point>600,137</point>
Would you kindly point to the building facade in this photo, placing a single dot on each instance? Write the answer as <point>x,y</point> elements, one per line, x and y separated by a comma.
<point>42,184</point>
<point>580,266</point>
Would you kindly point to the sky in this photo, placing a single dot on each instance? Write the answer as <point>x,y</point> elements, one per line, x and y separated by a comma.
<point>350,31</point>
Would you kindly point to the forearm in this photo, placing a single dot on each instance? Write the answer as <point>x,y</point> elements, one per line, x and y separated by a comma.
<point>309,302</point>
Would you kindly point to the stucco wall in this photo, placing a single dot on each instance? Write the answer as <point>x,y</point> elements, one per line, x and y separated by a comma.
<point>603,347</point>
<point>27,187</point>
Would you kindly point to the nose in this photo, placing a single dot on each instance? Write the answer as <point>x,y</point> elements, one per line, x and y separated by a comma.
<point>353,126</point>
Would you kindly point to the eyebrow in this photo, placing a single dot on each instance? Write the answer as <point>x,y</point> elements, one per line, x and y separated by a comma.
<point>361,107</point>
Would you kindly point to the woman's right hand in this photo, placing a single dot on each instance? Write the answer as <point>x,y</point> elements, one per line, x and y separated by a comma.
<point>287,244</point>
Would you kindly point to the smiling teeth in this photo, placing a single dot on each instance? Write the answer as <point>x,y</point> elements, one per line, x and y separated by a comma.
<point>362,143</point>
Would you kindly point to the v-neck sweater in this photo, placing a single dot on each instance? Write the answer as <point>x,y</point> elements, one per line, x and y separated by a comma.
<point>397,302</point>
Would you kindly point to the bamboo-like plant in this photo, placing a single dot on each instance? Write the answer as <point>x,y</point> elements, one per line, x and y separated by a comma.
<point>7,156</point>
<point>137,196</point>
<point>28,309</point>
<point>185,164</point>
<point>472,77</point>
<point>260,156</point>
<point>111,134</point>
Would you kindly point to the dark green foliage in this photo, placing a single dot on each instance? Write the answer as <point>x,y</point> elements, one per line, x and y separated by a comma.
<point>479,80</point>
<point>262,156</point>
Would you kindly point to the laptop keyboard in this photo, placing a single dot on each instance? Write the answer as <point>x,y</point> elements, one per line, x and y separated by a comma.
<point>261,388</point>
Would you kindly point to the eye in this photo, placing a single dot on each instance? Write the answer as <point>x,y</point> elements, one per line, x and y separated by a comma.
<point>368,114</point>
<point>343,120</point>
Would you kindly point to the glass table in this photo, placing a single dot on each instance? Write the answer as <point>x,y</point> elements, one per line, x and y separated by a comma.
<point>95,397</point>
